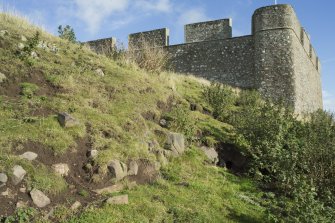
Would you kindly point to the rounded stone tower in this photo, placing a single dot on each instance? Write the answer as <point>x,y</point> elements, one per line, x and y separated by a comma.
<point>276,29</point>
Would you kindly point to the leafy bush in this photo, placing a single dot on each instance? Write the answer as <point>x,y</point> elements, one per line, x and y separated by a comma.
<point>291,157</point>
<point>180,120</point>
<point>67,33</point>
<point>221,98</point>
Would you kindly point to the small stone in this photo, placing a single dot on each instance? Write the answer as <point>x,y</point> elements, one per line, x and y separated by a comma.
<point>39,198</point>
<point>62,169</point>
<point>34,54</point>
<point>111,189</point>
<point>20,46</point>
<point>2,77</point>
<point>121,199</point>
<point>99,72</point>
<point>21,204</point>
<point>66,120</point>
<point>92,153</point>
<point>176,143</point>
<point>18,174</point>
<point>6,192</point>
<point>23,189</point>
<point>29,156</point>
<point>117,169</point>
<point>163,123</point>
<point>23,38</point>
<point>211,154</point>
<point>3,178</point>
<point>75,205</point>
<point>133,168</point>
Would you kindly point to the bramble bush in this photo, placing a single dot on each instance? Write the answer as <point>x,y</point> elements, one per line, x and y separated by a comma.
<point>294,158</point>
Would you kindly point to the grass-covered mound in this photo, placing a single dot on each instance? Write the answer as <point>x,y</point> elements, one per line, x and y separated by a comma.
<point>283,163</point>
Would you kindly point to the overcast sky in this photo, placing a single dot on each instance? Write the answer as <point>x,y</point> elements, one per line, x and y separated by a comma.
<point>93,19</point>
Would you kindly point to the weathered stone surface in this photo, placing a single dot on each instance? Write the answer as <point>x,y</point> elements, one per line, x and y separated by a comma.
<point>99,72</point>
<point>61,169</point>
<point>3,178</point>
<point>205,31</point>
<point>18,174</point>
<point>117,169</point>
<point>211,154</point>
<point>277,58</point>
<point>21,204</point>
<point>176,143</point>
<point>66,120</point>
<point>111,189</point>
<point>9,193</point>
<point>92,153</point>
<point>23,189</point>
<point>121,199</point>
<point>103,46</point>
<point>133,168</point>
<point>75,205</point>
<point>29,156</point>
<point>2,77</point>
<point>163,123</point>
<point>39,198</point>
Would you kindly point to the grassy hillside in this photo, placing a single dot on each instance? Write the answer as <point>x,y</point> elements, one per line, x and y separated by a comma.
<point>118,114</point>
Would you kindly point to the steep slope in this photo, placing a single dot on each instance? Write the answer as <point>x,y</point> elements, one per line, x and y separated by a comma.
<point>116,111</point>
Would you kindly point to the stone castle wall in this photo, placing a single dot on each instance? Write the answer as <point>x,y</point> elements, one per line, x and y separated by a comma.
<point>277,58</point>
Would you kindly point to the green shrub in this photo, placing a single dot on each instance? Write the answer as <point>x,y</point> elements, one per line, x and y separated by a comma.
<point>28,89</point>
<point>221,98</point>
<point>180,120</point>
<point>67,33</point>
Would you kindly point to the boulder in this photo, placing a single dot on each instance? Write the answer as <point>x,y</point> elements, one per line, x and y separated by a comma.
<point>29,156</point>
<point>111,189</point>
<point>3,178</point>
<point>39,198</point>
<point>62,169</point>
<point>176,143</point>
<point>117,169</point>
<point>121,199</point>
<point>75,205</point>
<point>133,168</point>
<point>2,77</point>
<point>99,72</point>
<point>66,120</point>
<point>212,155</point>
<point>18,174</point>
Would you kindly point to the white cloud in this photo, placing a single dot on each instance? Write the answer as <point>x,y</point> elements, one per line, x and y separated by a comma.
<point>154,5</point>
<point>94,12</point>
<point>192,16</point>
<point>328,101</point>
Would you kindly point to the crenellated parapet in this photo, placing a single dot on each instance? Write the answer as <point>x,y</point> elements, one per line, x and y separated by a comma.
<point>277,59</point>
